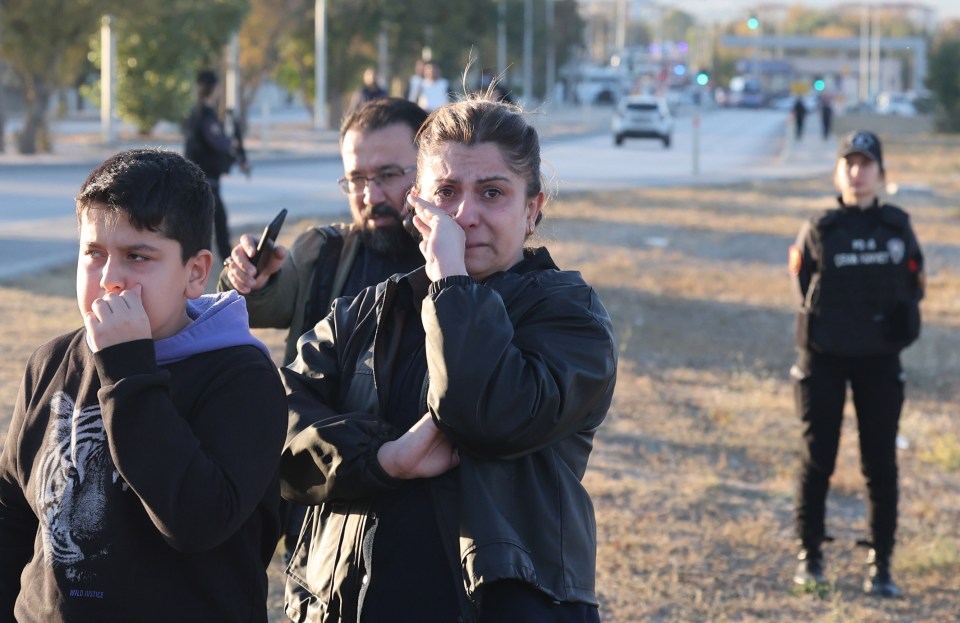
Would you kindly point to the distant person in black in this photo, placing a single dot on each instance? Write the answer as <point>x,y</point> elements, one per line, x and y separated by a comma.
<point>858,269</point>
<point>209,146</point>
<point>799,114</point>
<point>370,90</point>
<point>826,115</point>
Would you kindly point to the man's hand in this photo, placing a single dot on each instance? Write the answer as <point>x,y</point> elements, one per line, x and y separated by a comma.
<point>421,452</point>
<point>242,274</point>
<point>117,318</point>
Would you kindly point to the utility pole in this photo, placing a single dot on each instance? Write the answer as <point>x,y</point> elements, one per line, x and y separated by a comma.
<point>232,79</point>
<point>502,39</point>
<point>876,83</point>
<point>320,120</point>
<point>551,53</point>
<point>3,117</point>
<point>864,82</point>
<point>528,52</point>
<point>383,64</point>
<point>108,91</point>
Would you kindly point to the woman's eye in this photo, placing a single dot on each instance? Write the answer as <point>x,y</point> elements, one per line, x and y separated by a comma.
<point>137,258</point>
<point>492,193</point>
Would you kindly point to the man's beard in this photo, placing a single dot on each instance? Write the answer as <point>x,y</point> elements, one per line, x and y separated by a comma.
<point>389,240</point>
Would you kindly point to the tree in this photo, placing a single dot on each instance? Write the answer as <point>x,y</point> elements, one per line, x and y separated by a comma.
<point>161,46</point>
<point>675,24</point>
<point>944,81</point>
<point>265,31</point>
<point>353,27</point>
<point>40,37</point>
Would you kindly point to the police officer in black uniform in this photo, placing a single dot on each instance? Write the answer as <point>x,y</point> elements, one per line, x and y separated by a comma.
<point>859,274</point>
<point>209,146</point>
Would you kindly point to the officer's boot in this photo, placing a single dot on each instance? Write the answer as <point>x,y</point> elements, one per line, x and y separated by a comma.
<point>879,582</point>
<point>810,569</point>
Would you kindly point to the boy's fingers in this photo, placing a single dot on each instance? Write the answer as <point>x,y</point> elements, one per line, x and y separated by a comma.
<point>100,306</point>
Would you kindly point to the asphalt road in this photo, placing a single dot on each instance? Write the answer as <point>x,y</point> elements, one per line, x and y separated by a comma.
<point>38,228</point>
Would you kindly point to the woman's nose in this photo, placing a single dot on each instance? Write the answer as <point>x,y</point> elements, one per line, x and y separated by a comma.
<point>466,211</point>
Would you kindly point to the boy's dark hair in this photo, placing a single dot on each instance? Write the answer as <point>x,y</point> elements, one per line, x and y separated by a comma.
<point>382,112</point>
<point>157,190</point>
<point>206,82</point>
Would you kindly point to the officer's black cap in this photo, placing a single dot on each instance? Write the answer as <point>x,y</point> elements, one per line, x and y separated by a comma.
<point>207,77</point>
<point>862,142</point>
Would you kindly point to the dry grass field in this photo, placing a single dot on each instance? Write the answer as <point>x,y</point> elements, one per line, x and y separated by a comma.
<point>692,474</point>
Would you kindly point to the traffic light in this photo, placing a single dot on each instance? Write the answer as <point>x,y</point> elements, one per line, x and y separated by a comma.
<point>819,85</point>
<point>703,78</point>
<point>753,23</point>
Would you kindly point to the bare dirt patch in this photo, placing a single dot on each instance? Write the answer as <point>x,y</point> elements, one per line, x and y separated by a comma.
<point>692,475</point>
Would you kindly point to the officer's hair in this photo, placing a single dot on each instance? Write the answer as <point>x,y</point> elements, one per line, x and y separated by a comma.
<point>206,83</point>
<point>383,112</point>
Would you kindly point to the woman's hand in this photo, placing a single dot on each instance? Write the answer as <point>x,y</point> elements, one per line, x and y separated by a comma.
<point>421,452</point>
<point>443,239</point>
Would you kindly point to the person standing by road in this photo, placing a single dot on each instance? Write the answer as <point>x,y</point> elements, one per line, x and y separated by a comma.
<point>368,91</point>
<point>799,116</point>
<point>209,147</point>
<point>826,115</point>
<point>297,286</point>
<point>454,407</point>
<point>858,270</point>
<point>434,88</point>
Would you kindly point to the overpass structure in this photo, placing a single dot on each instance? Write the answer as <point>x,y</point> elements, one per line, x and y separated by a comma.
<point>915,45</point>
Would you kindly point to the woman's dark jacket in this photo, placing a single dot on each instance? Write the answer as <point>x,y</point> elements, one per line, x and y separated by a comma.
<point>521,372</point>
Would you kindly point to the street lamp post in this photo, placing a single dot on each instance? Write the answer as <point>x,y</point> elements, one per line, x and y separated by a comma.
<point>528,52</point>
<point>502,39</point>
<point>551,53</point>
<point>864,80</point>
<point>320,121</point>
<point>753,23</point>
<point>108,130</point>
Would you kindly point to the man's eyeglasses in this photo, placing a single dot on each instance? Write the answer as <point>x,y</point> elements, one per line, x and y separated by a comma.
<point>385,180</point>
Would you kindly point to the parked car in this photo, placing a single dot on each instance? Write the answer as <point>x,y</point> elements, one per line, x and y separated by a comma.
<point>896,104</point>
<point>642,116</point>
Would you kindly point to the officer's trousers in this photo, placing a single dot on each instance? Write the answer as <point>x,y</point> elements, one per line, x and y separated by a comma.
<point>820,386</point>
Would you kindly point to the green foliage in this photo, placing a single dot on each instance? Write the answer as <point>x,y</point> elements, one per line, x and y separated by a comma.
<point>821,590</point>
<point>944,83</point>
<point>159,50</point>
<point>945,450</point>
<point>450,30</point>
<point>38,35</point>
<point>43,44</point>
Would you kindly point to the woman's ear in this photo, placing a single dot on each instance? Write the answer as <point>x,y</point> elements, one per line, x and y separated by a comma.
<point>198,272</point>
<point>535,211</point>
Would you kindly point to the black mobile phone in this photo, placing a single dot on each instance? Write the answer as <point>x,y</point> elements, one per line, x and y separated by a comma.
<point>267,238</point>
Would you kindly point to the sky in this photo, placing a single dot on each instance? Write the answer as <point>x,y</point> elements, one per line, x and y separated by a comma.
<point>725,10</point>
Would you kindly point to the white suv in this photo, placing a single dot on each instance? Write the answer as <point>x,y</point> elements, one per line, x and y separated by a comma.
<point>642,116</point>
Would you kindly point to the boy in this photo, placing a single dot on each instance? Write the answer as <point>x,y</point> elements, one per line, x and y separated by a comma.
<point>138,481</point>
